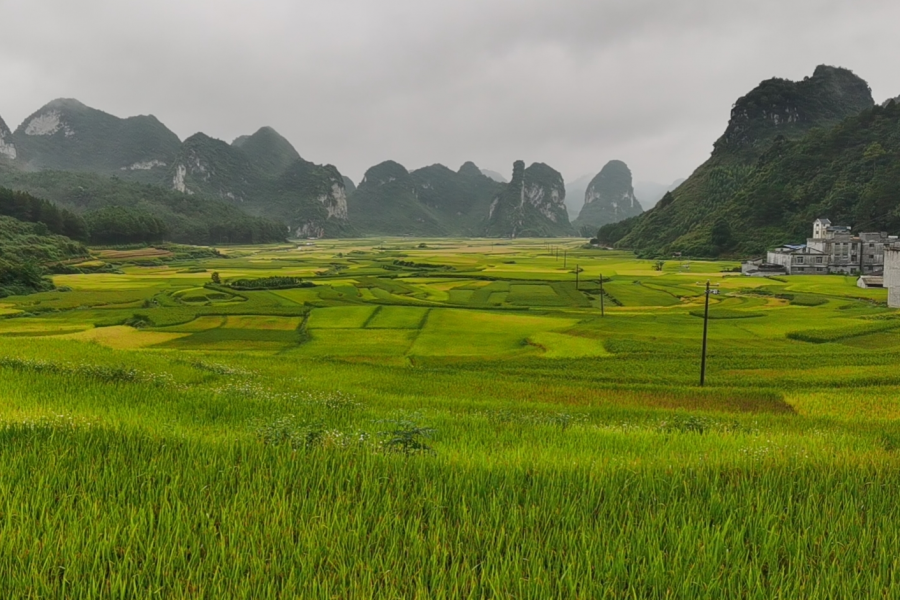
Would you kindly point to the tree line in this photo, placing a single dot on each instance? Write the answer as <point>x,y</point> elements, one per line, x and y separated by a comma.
<point>115,224</point>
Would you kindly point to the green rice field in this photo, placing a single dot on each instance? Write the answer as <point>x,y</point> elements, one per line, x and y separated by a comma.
<point>447,419</point>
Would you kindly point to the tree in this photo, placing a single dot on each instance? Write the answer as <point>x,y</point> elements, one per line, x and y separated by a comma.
<point>721,235</point>
<point>215,278</point>
<point>873,152</point>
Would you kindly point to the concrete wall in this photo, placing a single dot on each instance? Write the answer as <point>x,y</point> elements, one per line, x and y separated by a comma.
<point>892,275</point>
<point>894,297</point>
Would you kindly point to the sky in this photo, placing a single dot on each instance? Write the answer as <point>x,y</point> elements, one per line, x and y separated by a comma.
<point>571,83</point>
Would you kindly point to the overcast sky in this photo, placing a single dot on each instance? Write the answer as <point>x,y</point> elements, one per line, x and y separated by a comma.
<point>573,83</point>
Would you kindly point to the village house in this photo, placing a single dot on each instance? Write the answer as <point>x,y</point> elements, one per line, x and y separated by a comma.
<point>833,249</point>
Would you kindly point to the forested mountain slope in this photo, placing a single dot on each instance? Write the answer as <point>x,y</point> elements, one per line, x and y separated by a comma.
<point>67,135</point>
<point>187,219</point>
<point>24,247</point>
<point>777,110</point>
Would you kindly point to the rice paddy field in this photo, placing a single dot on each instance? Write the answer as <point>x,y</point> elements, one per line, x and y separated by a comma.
<point>447,419</point>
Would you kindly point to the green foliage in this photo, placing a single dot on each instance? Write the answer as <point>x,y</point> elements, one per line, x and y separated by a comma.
<point>792,152</point>
<point>269,283</point>
<point>264,175</point>
<point>27,208</point>
<point>356,445</point>
<point>720,236</point>
<point>387,201</point>
<point>24,247</point>
<point>611,233</point>
<point>119,225</point>
<point>188,219</point>
<point>822,336</point>
<point>91,140</point>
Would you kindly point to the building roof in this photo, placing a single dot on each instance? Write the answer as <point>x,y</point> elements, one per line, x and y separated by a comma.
<point>872,280</point>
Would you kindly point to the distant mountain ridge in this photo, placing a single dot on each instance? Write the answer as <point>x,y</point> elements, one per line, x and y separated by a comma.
<point>263,176</point>
<point>433,200</point>
<point>609,198</point>
<point>67,135</point>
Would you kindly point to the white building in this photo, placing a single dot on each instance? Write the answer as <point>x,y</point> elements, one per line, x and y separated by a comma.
<point>833,249</point>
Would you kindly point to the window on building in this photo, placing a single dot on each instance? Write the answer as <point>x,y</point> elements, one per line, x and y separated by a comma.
<point>871,245</point>
<point>871,256</point>
<point>798,260</point>
<point>819,260</point>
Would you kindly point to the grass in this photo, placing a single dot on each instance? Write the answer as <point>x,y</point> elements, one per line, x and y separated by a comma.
<point>484,433</point>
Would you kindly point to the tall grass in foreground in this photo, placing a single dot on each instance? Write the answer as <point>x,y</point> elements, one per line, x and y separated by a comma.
<point>93,512</point>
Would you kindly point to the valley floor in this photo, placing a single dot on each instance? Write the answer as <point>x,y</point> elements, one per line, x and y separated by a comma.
<point>446,418</point>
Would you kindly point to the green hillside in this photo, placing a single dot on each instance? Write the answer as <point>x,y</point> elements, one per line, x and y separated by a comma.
<point>30,209</point>
<point>609,198</point>
<point>461,198</point>
<point>260,174</point>
<point>777,110</point>
<point>263,175</point>
<point>188,219</point>
<point>268,151</point>
<point>437,201</point>
<point>24,247</point>
<point>386,202</point>
<point>532,204</point>
<point>67,135</point>
<point>850,173</point>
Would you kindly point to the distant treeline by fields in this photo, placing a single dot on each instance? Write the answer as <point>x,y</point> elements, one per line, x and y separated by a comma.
<point>110,213</point>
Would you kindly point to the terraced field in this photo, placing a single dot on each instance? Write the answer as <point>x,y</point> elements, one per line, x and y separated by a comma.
<point>446,418</point>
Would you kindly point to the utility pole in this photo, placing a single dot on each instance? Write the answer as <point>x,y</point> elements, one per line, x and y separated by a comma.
<point>602,311</point>
<point>576,278</point>
<point>705,330</point>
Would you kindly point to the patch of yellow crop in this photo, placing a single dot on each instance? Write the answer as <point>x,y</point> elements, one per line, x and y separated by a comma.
<point>39,327</point>
<point>123,337</point>
<point>260,322</point>
<point>560,345</point>
<point>198,324</point>
<point>91,264</point>
<point>133,254</point>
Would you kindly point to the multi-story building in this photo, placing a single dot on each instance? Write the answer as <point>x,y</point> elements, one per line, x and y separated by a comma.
<point>833,249</point>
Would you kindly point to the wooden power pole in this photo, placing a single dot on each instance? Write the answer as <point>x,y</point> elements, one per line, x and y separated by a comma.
<point>705,330</point>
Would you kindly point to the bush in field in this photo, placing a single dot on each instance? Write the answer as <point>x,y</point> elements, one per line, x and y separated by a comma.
<point>407,437</point>
<point>269,283</point>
